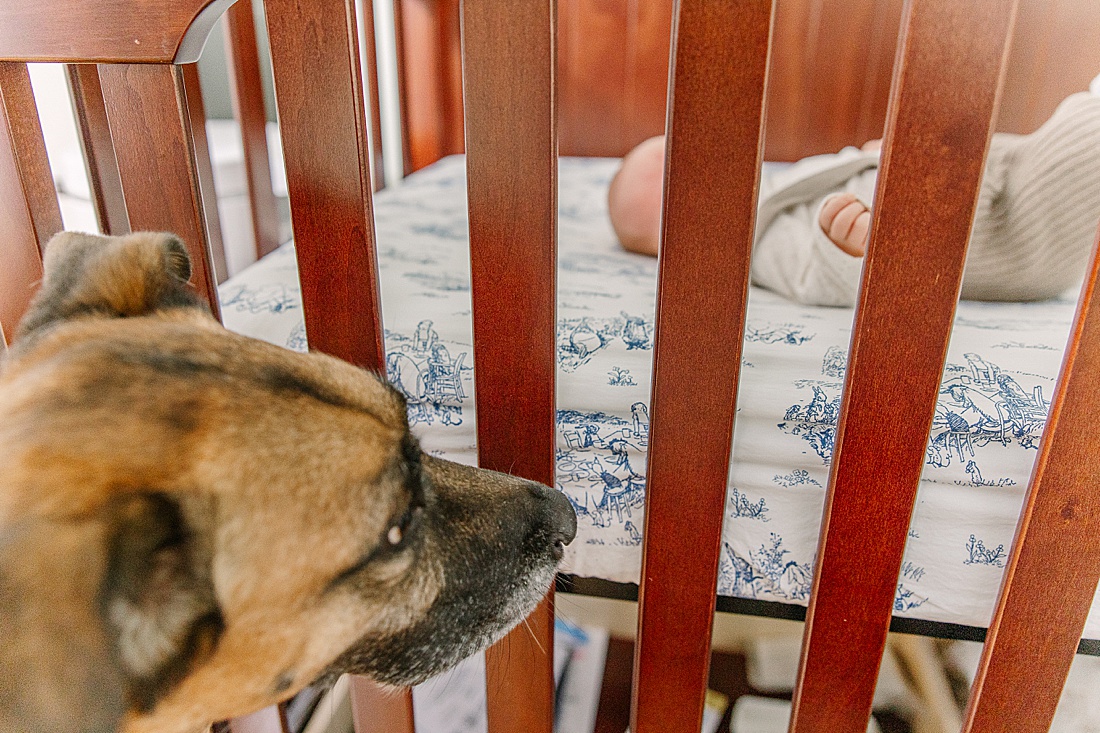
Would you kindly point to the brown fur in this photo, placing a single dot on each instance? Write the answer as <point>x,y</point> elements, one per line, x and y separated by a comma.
<point>194,524</point>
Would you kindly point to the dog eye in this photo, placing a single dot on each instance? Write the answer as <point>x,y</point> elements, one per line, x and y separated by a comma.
<point>395,535</point>
<point>400,529</point>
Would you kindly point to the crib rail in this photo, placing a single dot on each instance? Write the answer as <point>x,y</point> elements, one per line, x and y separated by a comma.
<point>104,176</point>
<point>86,92</point>
<point>108,31</point>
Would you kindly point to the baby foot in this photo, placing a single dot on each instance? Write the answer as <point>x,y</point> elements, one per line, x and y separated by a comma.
<point>846,222</point>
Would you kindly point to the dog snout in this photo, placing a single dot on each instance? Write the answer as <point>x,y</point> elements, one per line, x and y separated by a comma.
<point>562,518</point>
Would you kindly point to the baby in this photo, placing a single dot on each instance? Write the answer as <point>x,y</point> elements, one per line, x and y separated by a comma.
<point>1034,227</point>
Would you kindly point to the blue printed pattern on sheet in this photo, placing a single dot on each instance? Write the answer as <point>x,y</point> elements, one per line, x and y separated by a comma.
<point>996,391</point>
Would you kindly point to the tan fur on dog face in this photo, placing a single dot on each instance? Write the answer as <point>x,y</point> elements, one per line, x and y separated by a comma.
<point>215,513</point>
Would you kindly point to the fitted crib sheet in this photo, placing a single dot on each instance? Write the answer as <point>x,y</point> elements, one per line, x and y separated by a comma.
<point>997,387</point>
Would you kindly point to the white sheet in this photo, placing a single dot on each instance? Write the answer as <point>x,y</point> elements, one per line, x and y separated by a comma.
<point>997,386</point>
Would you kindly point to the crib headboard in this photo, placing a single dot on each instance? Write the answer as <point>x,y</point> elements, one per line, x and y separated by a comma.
<point>828,84</point>
<point>943,95</point>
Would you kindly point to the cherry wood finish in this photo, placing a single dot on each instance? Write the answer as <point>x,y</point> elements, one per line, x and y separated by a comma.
<point>829,79</point>
<point>98,149</point>
<point>150,123</point>
<point>246,90</point>
<point>107,31</point>
<point>319,93</point>
<point>519,675</point>
<point>28,148</point>
<point>712,170</point>
<point>380,710</point>
<point>1035,630</point>
<point>430,73</point>
<point>613,66</point>
<point>101,164</point>
<point>29,213</point>
<point>204,170</point>
<point>508,57</point>
<point>830,75</point>
<point>946,82</point>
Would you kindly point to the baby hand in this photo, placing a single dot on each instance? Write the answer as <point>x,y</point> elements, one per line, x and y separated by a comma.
<point>846,221</point>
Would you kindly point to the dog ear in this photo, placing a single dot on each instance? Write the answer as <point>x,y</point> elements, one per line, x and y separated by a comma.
<point>57,671</point>
<point>102,613</point>
<point>110,276</point>
<point>157,598</point>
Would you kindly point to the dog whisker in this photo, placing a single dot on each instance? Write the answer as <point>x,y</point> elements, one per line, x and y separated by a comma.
<point>534,637</point>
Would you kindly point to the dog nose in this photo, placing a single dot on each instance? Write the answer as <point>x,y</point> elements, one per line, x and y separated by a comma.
<point>562,518</point>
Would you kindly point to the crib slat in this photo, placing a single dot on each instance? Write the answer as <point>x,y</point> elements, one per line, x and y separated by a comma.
<point>375,709</point>
<point>719,57</point>
<point>97,148</point>
<point>29,213</point>
<point>511,143</point>
<point>151,126</point>
<point>936,136</point>
<point>319,92</point>
<point>243,58</point>
<point>1035,630</point>
<point>370,54</point>
<point>204,170</point>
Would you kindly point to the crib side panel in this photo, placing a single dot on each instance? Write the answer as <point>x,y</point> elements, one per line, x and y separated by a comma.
<point>945,89</point>
<point>1051,576</point>
<point>29,212</point>
<point>511,142</point>
<point>712,169</point>
<point>430,69</point>
<point>322,120</point>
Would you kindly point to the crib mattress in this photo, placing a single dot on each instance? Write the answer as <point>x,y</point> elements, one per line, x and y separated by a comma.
<point>997,386</point>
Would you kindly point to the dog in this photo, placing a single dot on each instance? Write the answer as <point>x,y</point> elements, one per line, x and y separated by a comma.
<point>195,524</point>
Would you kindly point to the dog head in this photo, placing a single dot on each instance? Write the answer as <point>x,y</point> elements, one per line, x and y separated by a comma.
<point>194,524</point>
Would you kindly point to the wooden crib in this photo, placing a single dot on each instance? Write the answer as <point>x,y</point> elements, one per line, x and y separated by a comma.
<point>944,93</point>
